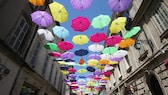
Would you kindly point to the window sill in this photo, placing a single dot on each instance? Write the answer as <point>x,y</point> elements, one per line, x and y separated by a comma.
<point>143,56</point>
<point>164,35</point>
<point>129,69</point>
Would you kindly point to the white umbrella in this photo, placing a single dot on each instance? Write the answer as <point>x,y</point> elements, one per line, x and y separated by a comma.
<point>120,53</point>
<point>108,68</point>
<point>46,33</point>
<point>105,56</point>
<point>95,47</point>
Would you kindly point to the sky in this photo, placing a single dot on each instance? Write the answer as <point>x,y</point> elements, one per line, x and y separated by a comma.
<point>97,7</point>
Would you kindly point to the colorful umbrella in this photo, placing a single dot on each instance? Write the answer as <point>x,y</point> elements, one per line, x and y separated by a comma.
<point>118,24</point>
<point>64,72</point>
<point>90,76</point>
<point>81,52</point>
<point>94,56</point>
<point>51,46</point>
<point>37,2</point>
<point>82,71</point>
<point>72,70</point>
<point>116,59</point>
<point>112,40</point>
<point>64,45</point>
<point>104,61</point>
<point>108,68</point>
<point>98,72</point>
<point>119,5</point>
<point>109,50</point>
<point>98,37</point>
<point>67,55</point>
<point>107,73</point>
<point>100,67</point>
<point>92,62</point>
<point>120,54</point>
<point>46,33</point>
<point>80,39</point>
<point>91,69</point>
<point>105,56</point>
<point>61,32</point>
<point>100,21</point>
<point>95,47</point>
<point>55,54</point>
<point>58,12</point>
<point>69,60</point>
<point>71,63</point>
<point>42,18</point>
<point>81,81</point>
<point>81,61</point>
<point>64,68</point>
<point>113,62</point>
<point>72,75</point>
<point>132,32</point>
<point>126,43</point>
<point>80,24</point>
<point>81,4</point>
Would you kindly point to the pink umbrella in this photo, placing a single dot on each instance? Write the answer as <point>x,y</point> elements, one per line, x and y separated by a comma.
<point>107,73</point>
<point>72,70</point>
<point>67,55</point>
<point>64,45</point>
<point>112,40</point>
<point>55,54</point>
<point>81,4</point>
<point>98,37</point>
<point>80,24</point>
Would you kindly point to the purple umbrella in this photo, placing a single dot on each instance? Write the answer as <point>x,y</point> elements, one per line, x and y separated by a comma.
<point>42,18</point>
<point>81,4</point>
<point>98,72</point>
<point>90,76</point>
<point>119,5</point>
<point>67,55</point>
<point>95,56</point>
<point>116,59</point>
<point>72,75</point>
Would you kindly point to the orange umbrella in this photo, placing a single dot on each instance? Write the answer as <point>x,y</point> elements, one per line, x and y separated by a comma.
<point>37,2</point>
<point>126,43</point>
<point>81,61</point>
<point>104,61</point>
<point>105,78</point>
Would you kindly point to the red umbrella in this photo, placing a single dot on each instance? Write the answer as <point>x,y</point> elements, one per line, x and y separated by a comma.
<point>80,24</point>
<point>72,70</point>
<point>107,73</point>
<point>55,54</point>
<point>65,45</point>
<point>98,37</point>
<point>112,40</point>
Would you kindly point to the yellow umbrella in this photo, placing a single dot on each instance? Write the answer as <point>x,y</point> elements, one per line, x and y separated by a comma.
<point>62,62</point>
<point>113,63</point>
<point>82,71</point>
<point>90,83</point>
<point>80,39</point>
<point>64,72</point>
<point>37,2</point>
<point>92,62</point>
<point>100,67</point>
<point>118,24</point>
<point>58,12</point>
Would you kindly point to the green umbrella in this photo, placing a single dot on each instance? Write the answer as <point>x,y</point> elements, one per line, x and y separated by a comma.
<point>51,46</point>
<point>109,50</point>
<point>100,21</point>
<point>132,32</point>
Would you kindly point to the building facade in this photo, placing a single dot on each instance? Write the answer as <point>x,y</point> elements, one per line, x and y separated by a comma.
<point>25,67</point>
<point>143,71</point>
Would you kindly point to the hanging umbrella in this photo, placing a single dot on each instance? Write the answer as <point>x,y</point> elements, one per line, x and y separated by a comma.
<point>82,71</point>
<point>105,56</point>
<point>98,72</point>
<point>118,24</point>
<point>81,81</point>
<point>109,50</point>
<point>113,62</point>
<point>57,59</point>
<point>46,33</point>
<point>58,12</point>
<point>37,2</point>
<point>55,54</point>
<point>92,62</point>
<point>81,52</point>
<point>80,39</point>
<point>119,5</point>
<point>61,32</point>
<point>98,37</point>
<point>72,70</point>
<point>100,21</point>
<point>80,24</point>
<point>132,32</point>
<point>64,72</point>
<point>91,69</point>
<point>72,75</point>
<point>64,68</point>
<point>105,78</point>
<point>100,67</point>
<point>41,18</point>
<point>64,45</point>
<point>51,46</point>
<point>126,43</point>
<point>95,47</point>
<point>120,53</point>
<point>69,60</point>
<point>116,59</point>
<point>67,55</point>
<point>82,77</point>
<point>81,61</point>
<point>112,40</point>
<point>104,61</point>
<point>108,68</point>
<point>107,73</point>
<point>81,4</point>
<point>90,76</point>
<point>94,56</point>
<point>62,62</point>
<point>71,63</point>
<point>90,83</point>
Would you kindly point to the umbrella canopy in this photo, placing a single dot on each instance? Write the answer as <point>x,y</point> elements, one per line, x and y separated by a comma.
<point>81,61</point>
<point>46,33</point>
<point>112,40</point>
<point>72,70</point>
<point>81,52</point>
<point>72,75</point>
<point>94,56</point>
<point>64,72</point>
<point>81,4</point>
<point>91,69</point>
<point>95,47</point>
<point>67,55</point>
<point>92,62</point>
<point>64,45</point>
<point>126,43</point>
<point>69,60</point>
<point>80,24</point>
<point>132,32</point>
<point>116,59</point>
<point>104,61</point>
<point>55,54</point>
<point>71,63</point>
<point>107,73</point>
<point>105,56</point>
<point>108,68</point>
<point>64,68</point>
<point>41,18</point>
<point>51,46</point>
<point>58,12</point>
<point>100,21</point>
<point>118,24</point>
<point>82,71</point>
<point>61,32</point>
<point>98,37</point>
<point>37,2</point>
<point>98,72</point>
<point>90,76</point>
<point>119,5</point>
<point>81,81</point>
<point>80,39</point>
<point>120,53</point>
<point>109,50</point>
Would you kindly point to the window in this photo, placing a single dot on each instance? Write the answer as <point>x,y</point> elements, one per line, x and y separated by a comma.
<point>55,78</point>
<point>45,66</point>
<point>52,66</point>
<point>18,34</point>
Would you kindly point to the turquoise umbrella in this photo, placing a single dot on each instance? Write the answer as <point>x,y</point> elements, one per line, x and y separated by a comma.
<point>61,32</point>
<point>109,50</point>
<point>132,32</point>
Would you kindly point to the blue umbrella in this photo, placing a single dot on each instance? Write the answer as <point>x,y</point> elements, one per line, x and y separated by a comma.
<point>63,68</point>
<point>81,52</point>
<point>82,76</point>
<point>61,32</point>
<point>91,69</point>
<point>69,60</point>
